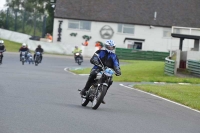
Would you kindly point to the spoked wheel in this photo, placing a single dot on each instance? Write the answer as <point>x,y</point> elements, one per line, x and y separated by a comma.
<point>99,97</point>
<point>84,102</point>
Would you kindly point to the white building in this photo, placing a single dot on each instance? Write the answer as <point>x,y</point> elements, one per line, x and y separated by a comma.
<point>131,23</point>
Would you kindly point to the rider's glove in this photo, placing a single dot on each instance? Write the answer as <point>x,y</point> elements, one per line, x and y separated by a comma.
<point>94,61</point>
<point>117,71</point>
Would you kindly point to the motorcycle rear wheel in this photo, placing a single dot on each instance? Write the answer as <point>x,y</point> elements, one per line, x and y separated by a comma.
<point>99,98</point>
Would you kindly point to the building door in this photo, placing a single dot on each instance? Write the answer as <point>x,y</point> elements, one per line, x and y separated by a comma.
<point>137,45</point>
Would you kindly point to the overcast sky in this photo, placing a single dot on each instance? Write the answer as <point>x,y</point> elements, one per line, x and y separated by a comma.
<point>2,3</point>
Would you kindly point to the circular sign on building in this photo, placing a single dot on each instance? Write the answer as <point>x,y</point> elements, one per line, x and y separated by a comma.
<point>106,32</point>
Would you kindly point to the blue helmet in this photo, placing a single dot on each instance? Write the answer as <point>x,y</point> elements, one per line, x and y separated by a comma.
<point>110,45</point>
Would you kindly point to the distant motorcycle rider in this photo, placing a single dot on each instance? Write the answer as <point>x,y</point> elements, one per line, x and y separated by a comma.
<point>77,50</point>
<point>108,58</point>
<point>39,49</point>
<point>23,49</point>
<point>2,49</point>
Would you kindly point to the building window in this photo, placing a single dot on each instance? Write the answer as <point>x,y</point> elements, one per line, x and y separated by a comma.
<point>125,28</point>
<point>73,24</point>
<point>83,25</point>
<point>177,31</point>
<point>136,45</point>
<point>166,33</point>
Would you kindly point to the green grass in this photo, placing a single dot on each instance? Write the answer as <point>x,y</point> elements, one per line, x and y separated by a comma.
<point>148,71</point>
<point>188,95</point>
<point>151,71</point>
<point>11,46</point>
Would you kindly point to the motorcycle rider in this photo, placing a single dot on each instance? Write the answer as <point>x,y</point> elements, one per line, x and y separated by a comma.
<point>23,49</point>
<point>108,58</point>
<point>2,49</point>
<point>77,50</point>
<point>39,49</point>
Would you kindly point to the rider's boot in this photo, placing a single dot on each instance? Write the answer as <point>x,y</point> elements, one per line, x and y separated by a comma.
<point>87,85</point>
<point>83,92</point>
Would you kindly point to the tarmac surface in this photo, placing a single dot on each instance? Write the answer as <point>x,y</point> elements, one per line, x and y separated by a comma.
<point>44,99</point>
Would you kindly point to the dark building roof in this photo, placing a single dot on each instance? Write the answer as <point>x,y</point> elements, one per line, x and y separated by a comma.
<point>169,12</point>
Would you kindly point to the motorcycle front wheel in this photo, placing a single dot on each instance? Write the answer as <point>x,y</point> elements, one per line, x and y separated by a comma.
<point>84,102</point>
<point>0,60</point>
<point>37,61</point>
<point>99,97</point>
<point>79,62</point>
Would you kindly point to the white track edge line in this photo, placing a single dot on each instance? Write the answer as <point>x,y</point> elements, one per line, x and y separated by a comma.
<point>160,98</point>
<point>67,70</point>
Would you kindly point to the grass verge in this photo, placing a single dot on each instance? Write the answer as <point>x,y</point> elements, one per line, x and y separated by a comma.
<point>147,71</point>
<point>11,46</point>
<point>188,95</point>
<point>14,47</point>
<point>153,71</point>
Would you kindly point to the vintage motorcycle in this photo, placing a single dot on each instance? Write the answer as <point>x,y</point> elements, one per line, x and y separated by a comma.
<point>78,58</point>
<point>30,58</point>
<point>98,89</point>
<point>23,57</point>
<point>37,58</point>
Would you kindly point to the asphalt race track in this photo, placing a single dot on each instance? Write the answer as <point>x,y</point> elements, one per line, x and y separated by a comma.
<point>44,99</point>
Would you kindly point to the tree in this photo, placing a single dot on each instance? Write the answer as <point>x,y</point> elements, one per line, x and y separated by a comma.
<point>32,11</point>
<point>50,18</point>
<point>34,6</point>
<point>2,19</point>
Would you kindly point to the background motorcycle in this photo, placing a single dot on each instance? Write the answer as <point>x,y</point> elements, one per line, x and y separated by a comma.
<point>23,57</point>
<point>98,90</point>
<point>78,58</point>
<point>37,58</point>
<point>30,58</point>
<point>1,54</point>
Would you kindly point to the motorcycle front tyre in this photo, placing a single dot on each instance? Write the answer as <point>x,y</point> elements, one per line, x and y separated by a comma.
<point>79,62</point>
<point>0,60</point>
<point>97,100</point>
<point>84,102</point>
